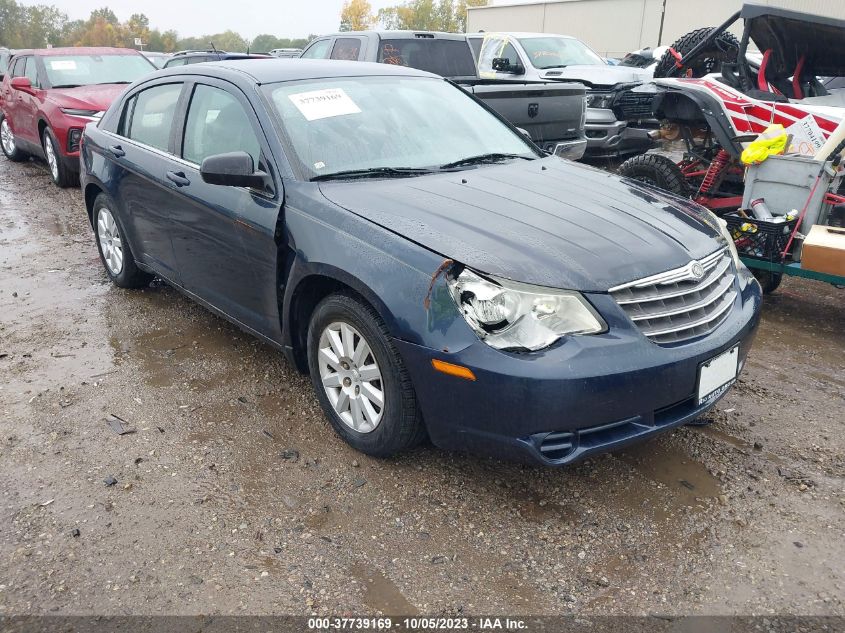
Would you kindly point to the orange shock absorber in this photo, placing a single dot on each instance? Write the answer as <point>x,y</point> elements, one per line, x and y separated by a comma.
<point>714,173</point>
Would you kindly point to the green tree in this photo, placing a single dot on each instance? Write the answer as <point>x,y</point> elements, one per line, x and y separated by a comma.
<point>357,15</point>
<point>138,25</point>
<point>265,42</point>
<point>425,15</point>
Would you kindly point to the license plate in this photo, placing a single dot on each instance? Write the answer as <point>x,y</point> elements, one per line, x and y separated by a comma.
<point>717,375</point>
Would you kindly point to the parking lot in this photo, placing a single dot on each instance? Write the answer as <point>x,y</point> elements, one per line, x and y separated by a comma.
<point>233,495</point>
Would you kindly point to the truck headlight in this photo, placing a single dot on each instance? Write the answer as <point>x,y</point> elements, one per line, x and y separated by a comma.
<point>511,315</point>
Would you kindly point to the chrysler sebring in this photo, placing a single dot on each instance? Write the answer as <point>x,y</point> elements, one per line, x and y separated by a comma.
<point>432,270</point>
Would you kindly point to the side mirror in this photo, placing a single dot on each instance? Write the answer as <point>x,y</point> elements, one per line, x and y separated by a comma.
<point>503,65</point>
<point>233,169</point>
<point>22,83</point>
<point>525,133</point>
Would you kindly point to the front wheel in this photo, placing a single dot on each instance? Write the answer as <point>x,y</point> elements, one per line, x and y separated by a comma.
<point>10,147</point>
<point>61,175</point>
<point>114,249</point>
<point>360,379</point>
<point>656,170</point>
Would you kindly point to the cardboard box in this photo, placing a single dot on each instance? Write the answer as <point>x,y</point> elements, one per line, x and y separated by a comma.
<point>824,250</point>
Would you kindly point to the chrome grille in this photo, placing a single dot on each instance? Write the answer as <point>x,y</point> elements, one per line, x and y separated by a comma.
<point>679,305</point>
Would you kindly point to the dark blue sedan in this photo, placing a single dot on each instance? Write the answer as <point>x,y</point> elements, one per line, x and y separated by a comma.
<point>432,270</point>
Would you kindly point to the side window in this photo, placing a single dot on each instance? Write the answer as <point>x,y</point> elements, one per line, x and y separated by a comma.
<point>20,65</point>
<point>475,44</point>
<point>347,48</point>
<point>176,61</point>
<point>510,52</point>
<point>151,115</point>
<point>318,50</point>
<point>217,124</point>
<point>198,59</point>
<point>31,71</point>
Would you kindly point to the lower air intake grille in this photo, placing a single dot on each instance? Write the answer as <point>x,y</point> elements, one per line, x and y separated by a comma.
<point>681,304</point>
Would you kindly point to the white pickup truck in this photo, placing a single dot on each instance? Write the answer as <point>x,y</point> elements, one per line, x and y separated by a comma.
<point>619,119</point>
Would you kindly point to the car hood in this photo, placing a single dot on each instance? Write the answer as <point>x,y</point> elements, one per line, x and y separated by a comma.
<point>87,97</point>
<point>548,222</point>
<point>597,76</point>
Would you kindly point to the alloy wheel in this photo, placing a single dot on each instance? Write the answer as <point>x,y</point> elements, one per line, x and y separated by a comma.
<point>351,377</point>
<point>52,159</point>
<point>110,243</point>
<point>7,138</point>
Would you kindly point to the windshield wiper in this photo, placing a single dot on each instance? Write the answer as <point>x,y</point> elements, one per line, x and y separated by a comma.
<point>67,86</point>
<point>374,172</point>
<point>481,159</point>
<point>110,83</point>
<point>556,66</point>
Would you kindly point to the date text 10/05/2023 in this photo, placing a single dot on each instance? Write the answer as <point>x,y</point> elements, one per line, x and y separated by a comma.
<point>480,624</point>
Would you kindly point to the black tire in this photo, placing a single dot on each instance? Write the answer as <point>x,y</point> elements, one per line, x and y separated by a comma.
<point>401,426</point>
<point>61,175</point>
<point>724,49</point>
<point>769,281</point>
<point>17,155</point>
<point>656,170</point>
<point>129,276</point>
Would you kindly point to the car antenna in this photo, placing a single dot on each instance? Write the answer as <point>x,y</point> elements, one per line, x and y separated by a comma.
<point>213,47</point>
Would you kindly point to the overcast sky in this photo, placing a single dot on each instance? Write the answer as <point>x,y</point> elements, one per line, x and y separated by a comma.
<point>283,18</point>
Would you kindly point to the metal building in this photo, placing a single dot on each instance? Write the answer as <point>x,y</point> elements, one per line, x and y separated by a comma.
<point>616,27</point>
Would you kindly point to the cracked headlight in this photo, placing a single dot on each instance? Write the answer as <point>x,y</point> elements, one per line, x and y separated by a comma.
<point>599,100</point>
<point>511,315</point>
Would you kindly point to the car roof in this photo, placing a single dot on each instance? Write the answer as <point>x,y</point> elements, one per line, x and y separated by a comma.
<point>272,70</point>
<point>402,35</point>
<point>77,50</point>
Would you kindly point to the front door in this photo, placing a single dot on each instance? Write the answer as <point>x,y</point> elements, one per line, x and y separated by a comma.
<point>224,237</point>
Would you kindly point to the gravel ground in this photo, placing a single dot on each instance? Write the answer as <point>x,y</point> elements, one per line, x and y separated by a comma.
<point>233,495</point>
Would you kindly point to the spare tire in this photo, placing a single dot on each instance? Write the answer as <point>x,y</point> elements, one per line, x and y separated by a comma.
<point>724,49</point>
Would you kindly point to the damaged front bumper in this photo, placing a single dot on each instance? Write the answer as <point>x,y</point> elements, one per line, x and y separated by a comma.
<point>583,395</point>
<point>608,136</point>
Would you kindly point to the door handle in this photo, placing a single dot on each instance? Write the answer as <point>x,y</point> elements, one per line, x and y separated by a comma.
<point>117,150</point>
<point>178,178</point>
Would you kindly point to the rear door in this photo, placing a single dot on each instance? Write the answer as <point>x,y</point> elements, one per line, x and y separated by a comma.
<point>224,237</point>
<point>348,49</point>
<point>143,152</point>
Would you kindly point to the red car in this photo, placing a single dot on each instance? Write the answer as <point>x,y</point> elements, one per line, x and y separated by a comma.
<point>49,95</point>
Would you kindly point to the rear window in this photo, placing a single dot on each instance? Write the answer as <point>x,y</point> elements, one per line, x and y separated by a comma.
<point>448,58</point>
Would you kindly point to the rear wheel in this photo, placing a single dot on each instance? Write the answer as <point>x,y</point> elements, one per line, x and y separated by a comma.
<point>724,49</point>
<point>656,170</point>
<point>114,249</point>
<point>360,379</point>
<point>8,142</point>
<point>61,175</point>
<point>769,281</point>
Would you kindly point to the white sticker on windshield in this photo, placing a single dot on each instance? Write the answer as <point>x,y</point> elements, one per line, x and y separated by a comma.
<point>322,104</point>
<point>63,64</point>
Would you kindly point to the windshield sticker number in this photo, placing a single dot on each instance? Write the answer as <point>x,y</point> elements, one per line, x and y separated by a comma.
<point>63,64</point>
<point>322,104</point>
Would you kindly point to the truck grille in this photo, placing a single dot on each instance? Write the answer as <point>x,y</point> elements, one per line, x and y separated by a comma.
<point>635,105</point>
<point>681,304</point>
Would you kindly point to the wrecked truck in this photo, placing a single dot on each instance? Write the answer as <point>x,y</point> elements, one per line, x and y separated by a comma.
<point>432,270</point>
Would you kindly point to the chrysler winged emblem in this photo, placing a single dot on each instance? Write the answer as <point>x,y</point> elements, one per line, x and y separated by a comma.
<point>697,270</point>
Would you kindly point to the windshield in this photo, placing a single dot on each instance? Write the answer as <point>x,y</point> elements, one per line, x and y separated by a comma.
<point>356,123</point>
<point>447,58</point>
<point>557,52</point>
<point>85,70</point>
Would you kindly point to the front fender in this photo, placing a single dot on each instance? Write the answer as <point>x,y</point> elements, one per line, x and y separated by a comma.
<point>402,280</point>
